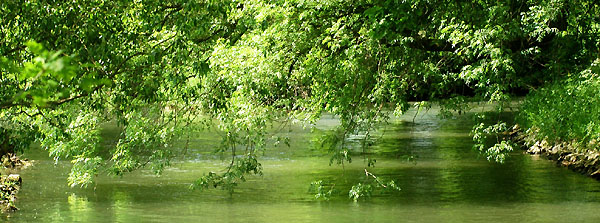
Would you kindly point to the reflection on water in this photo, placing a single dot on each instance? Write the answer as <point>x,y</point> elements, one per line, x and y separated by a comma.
<point>446,182</point>
<point>122,206</point>
<point>79,208</point>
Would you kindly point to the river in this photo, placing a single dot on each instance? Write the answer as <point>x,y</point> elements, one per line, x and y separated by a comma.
<point>447,181</point>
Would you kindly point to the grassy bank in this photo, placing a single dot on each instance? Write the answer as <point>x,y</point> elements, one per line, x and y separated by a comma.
<point>562,121</point>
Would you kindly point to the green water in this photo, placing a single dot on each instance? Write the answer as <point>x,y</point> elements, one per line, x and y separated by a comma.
<point>446,182</point>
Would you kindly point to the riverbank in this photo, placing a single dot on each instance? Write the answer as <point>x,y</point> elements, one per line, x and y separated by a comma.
<point>9,187</point>
<point>569,154</point>
<point>10,183</point>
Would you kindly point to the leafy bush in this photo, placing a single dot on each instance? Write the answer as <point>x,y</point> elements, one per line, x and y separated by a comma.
<point>566,111</point>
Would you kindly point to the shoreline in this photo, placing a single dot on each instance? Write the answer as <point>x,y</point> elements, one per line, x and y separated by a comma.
<point>10,183</point>
<point>567,154</point>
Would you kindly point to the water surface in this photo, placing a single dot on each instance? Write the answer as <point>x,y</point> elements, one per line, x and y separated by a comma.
<point>445,182</point>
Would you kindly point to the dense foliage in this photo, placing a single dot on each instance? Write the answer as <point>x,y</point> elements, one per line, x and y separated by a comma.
<point>160,69</point>
<point>566,111</point>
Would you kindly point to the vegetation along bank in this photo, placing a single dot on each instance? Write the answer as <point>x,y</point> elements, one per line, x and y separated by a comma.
<point>562,122</point>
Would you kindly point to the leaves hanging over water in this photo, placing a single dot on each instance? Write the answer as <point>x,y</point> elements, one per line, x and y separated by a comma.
<point>154,68</point>
<point>230,178</point>
<point>481,135</point>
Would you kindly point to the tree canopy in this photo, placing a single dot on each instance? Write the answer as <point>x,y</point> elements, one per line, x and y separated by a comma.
<point>159,69</point>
